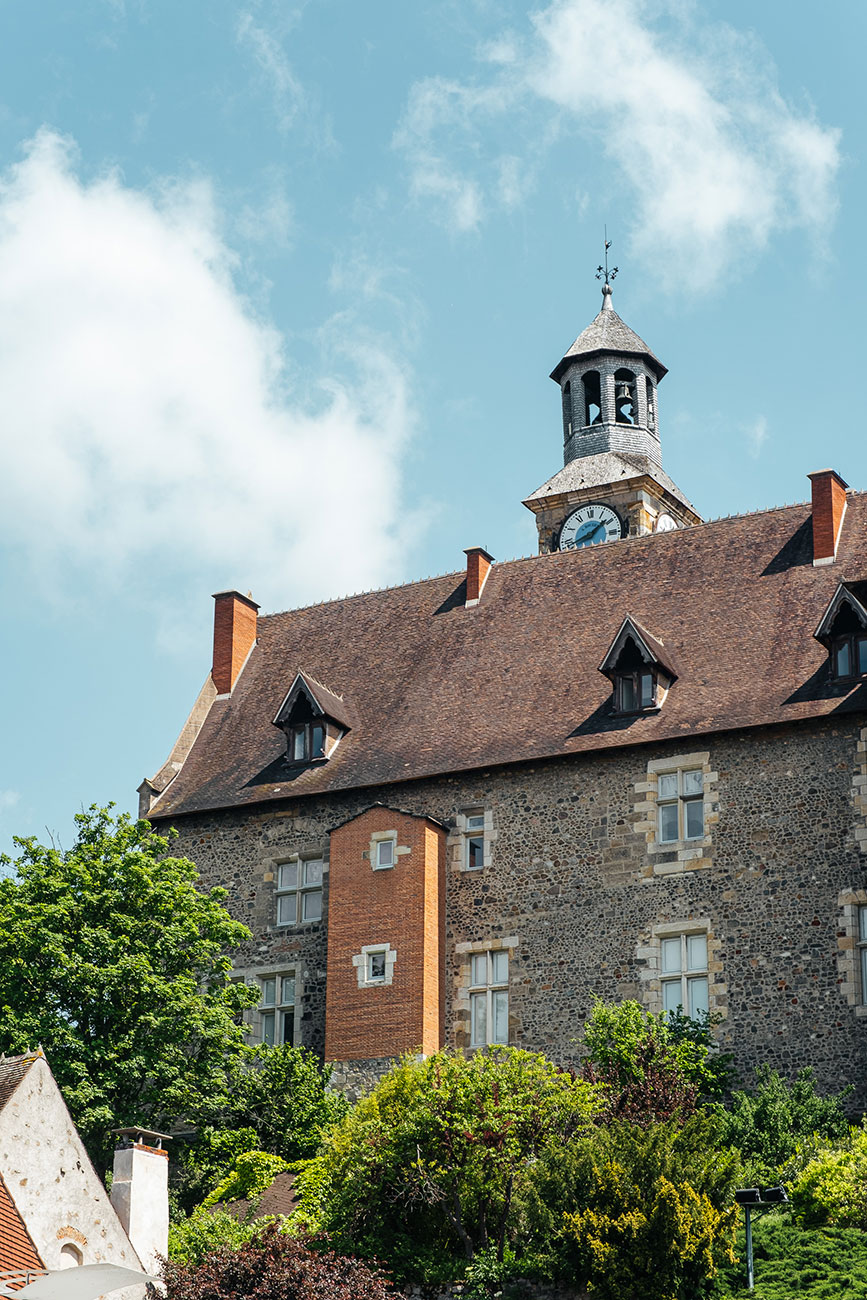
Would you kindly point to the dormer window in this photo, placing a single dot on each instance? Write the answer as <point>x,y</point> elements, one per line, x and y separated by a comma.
<point>313,719</point>
<point>639,668</point>
<point>843,631</point>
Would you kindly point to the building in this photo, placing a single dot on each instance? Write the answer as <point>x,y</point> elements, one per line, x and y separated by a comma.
<point>634,765</point>
<point>54,1210</point>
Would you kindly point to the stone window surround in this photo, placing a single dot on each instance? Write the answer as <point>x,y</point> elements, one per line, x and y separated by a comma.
<point>256,974</point>
<point>859,792</point>
<point>649,953</point>
<point>848,964</point>
<point>360,963</point>
<point>690,853</point>
<point>457,837</point>
<point>400,850</point>
<point>272,876</point>
<point>463,977</point>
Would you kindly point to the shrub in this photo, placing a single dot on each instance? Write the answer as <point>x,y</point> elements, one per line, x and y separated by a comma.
<point>193,1238</point>
<point>821,1264</point>
<point>252,1173</point>
<point>832,1189</point>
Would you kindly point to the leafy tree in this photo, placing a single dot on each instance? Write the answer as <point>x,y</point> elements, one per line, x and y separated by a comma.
<point>273,1266</point>
<point>423,1171</point>
<point>635,1210</point>
<point>832,1189</point>
<point>114,960</point>
<point>768,1125</point>
<point>193,1238</point>
<point>252,1174</point>
<point>820,1264</point>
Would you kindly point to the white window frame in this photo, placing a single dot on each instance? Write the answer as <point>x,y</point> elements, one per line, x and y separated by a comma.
<point>688,973</point>
<point>363,963</point>
<point>488,995</point>
<point>861,947</point>
<point>303,890</point>
<point>474,831</point>
<point>278,1009</point>
<point>680,801</point>
<point>376,955</point>
<point>386,845</point>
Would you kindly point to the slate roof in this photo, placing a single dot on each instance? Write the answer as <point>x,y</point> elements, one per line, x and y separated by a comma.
<point>439,688</point>
<point>17,1251</point>
<point>608,333</point>
<point>12,1071</point>
<point>601,470</point>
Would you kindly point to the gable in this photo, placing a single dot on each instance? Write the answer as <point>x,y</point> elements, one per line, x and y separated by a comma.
<point>17,1251</point>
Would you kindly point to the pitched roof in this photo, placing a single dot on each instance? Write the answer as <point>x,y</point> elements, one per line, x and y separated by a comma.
<point>12,1071</point>
<point>325,701</point>
<point>608,333</point>
<point>438,688</point>
<point>17,1251</point>
<point>654,648</point>
<point>603,469</point>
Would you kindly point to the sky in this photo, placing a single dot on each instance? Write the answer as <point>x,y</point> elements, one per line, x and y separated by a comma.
<point>281,285</point>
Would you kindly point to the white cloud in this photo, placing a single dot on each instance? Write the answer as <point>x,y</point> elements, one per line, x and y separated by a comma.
<point>757,435</point>
<point>710,157</point>
<point>8,799</point>
<point>149,430</point>
<point>273,64</point>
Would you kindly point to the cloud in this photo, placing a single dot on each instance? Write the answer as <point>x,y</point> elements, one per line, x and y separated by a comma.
<point>151,432</point>
<point>706,152</point>
<point>757,435</point>
<point>270,57</point>
<point>8,799</point>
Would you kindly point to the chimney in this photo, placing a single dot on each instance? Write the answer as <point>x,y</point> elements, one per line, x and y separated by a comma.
<point>478,567</point>
<point>234,637</point>
<point>829,507</point>
<point>140,1193</point>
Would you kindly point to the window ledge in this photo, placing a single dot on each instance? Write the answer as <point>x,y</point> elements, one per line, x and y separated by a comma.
<point>679,846</point>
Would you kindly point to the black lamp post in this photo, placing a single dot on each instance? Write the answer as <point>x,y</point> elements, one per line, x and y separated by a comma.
<point>752,1198</point>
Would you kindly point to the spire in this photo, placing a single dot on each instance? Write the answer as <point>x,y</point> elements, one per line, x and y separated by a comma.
<point>601,271</point>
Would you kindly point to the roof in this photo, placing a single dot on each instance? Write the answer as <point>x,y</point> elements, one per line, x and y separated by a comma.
<point>602,470</point>
<point>279,1197</point>
<point>12,1071</point>
<point>608,333</point>
<point>17,1251</point>
<point>437,687</point>
<point>325,701</point>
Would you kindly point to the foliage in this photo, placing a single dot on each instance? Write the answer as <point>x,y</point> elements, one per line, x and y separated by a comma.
<point>193,1238</point>
<point>768,1125</point>
<point>487,1274</point>
<point>635,1210</point>
<point>821,1264</point>
<point>424,1169</point>
<point>832,1189</point>
<point>656,1067</point>
<point>252,1173</point>
<point>114,960</point>
<point>273,1266</point>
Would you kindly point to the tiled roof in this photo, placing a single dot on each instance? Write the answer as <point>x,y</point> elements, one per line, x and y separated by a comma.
<point>601,470</point>
<point>16,1249</point>
<point>608,333</point>
<point>12,1071</point>
<point>438,688</point>
<point>278,1198</point>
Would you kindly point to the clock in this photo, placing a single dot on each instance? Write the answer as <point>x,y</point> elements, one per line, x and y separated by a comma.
<point>664,524</point>
<point>589,525</point>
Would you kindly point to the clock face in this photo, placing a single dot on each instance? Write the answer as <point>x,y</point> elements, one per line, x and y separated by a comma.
<point>665,524</point>
<point>589,525</point>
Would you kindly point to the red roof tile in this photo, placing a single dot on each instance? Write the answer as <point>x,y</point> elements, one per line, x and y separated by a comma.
<point>16,1249</point>
<point>436,687</point>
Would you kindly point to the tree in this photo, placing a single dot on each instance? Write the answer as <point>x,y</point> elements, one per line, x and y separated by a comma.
<point>273,1266</point>
<point>423,1171</point>
<point>116,962</point>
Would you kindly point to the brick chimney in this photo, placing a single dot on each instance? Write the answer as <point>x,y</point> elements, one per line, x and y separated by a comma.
<point>478,567</point>
<point>829,507</point>
<point>140,1193</point>
<point>234,637</point>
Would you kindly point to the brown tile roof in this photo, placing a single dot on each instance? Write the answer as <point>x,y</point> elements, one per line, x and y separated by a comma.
<point>439,688</point>
<point>12,1071</point>
<point>608,333</point>
<point>16,1249</point>
<point>278,1198</point>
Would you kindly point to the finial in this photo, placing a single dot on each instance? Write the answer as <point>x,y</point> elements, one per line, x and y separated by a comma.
<point>603,271</point>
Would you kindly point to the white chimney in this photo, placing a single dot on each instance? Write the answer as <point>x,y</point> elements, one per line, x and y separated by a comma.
<point>140,1192</point>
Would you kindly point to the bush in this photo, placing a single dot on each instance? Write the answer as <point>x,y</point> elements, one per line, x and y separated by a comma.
<point>823,1264</point>
<point>768,1125</point>
<point>193,1238</point>
<point>273,1266</point>
<point>635,1210</point>
<point>252,1173</point>
<point>832,1189</point>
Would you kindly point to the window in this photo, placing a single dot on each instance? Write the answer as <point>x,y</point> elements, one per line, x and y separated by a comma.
<point>680,805</point>
<point>489,998</point>
<point>683,972</point>
<point>636,691</point>
<point>862,951</point>
<point>474,841</point>
<point>592,398</point>
<point>277,1010</point>
<point>567,410</point>
<point>650,411</point>
<point>376,966</point>
<point>70,1256</point>
<point>624,396</point>
<point>299,891</point>
<point>384,854</point>
<point>306,741</point>
<point>850,656</point>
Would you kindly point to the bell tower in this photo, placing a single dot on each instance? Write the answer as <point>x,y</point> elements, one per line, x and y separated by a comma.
<point>612,474</point>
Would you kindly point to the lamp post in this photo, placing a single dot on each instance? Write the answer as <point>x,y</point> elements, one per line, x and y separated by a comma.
<point>752,1198</point>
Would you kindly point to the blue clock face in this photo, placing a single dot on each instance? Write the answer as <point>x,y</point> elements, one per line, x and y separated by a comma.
<point>588,526</point>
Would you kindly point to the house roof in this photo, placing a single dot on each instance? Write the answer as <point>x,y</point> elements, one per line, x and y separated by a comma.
<point>12,1071</point>
<point>17,1251</point>
<point>601,470</point>
<point>437,687</point>
<point>608,333</point>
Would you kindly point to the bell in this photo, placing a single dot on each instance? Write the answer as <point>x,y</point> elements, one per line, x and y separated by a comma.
<point>623,392</point>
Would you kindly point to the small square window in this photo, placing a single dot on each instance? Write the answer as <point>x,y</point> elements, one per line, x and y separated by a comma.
<point>384,853</point>
<point>376,967</point>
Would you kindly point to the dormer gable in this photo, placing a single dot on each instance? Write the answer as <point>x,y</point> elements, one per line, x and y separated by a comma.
<point>313,718</point>
<point>843,631</point>
<point>639,667</point>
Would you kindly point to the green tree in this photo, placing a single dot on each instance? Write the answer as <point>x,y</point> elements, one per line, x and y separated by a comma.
<point>792,1263</point>
<point>116,962</point>
<point>423,1171</point>
<point>832,1188</point>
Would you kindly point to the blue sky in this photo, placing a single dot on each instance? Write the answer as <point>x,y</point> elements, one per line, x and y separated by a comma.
<point>281,286</point>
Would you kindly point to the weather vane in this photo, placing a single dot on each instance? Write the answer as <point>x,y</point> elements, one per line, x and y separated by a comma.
<point>603,270</point>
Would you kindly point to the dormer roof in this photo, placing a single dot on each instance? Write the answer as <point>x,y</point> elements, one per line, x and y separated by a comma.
<point>608,333</point>
<point>651,649</point>
<point>323,701</point>
<point>851,596</point>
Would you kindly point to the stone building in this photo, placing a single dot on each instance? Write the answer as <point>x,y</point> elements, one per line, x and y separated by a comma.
<point>634,765</point>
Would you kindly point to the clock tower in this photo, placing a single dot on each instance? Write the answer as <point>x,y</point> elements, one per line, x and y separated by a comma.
<point>612,483</point>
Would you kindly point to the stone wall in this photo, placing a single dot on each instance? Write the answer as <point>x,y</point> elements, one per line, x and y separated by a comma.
<point>578,889</point>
